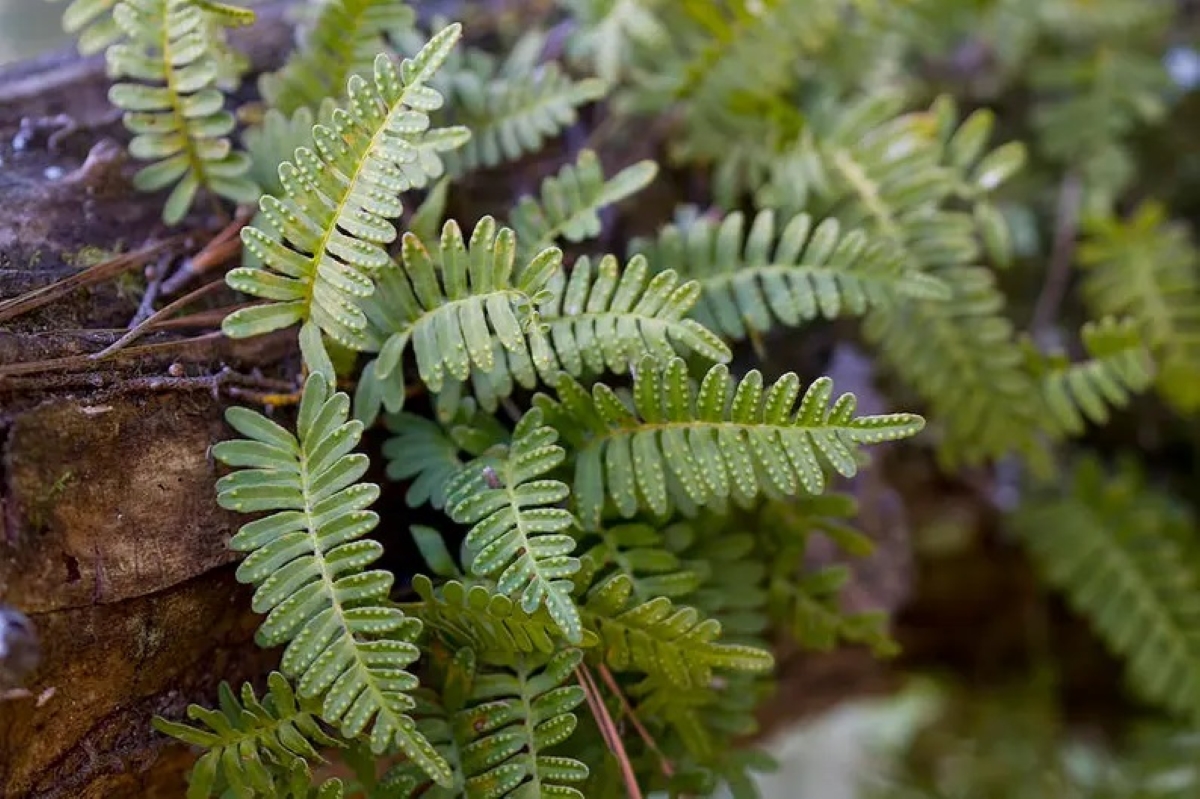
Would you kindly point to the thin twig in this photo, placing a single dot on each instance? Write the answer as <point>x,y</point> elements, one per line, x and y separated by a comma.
<point>163,312</point>
<point>1066,227</point>
<point>220,249</point>
<point>668,769</point>
<point>146,306</point>
<point>608,729</point>
<point>87,362</point>
<point>35,299</point>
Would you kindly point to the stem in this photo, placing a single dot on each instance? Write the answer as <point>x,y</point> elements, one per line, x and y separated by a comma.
<point>667,768</point>
<point>608,729</point>
<point>1058,275</point>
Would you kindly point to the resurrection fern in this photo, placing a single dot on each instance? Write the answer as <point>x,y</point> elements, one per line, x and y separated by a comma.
<point>175,110</point>
<point>328,233</point>
<point>253,747</point>
<point>569,203</point>
<point>1118,549</point>
<point>91,21</point>
<point>756,280</point>
<point>309,560</point>
<point>1147,268</point>
<point>1118,366</point>
<point>677,445</point>
<point>519,536</point>
<point>513,105</point>
<point>343,40</point>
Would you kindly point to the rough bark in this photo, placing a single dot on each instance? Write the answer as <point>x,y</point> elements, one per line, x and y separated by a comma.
<point>109,537</point>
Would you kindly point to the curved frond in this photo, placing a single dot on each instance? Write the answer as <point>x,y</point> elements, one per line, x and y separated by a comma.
<point>519,535</point>
<point>343,40</point>
<point>456,307</point>
<point>1146,268</point>
<point>606,318</point>
<point>1118,366</point>
<point>756,280</point>
<point>1111,543</point>
<point>173,49</point>
<point>429,452</point>
<point>662,640</point>
<point>569,203</point>
<point>309,559</point>
<point>261,746</point>
<point>676,445</point>
<point>328,237</point>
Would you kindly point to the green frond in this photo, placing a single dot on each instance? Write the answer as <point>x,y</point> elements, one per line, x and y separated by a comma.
<point>519,535</point>
<point>253,747</point>
<point>275,139</point>
<point>490,623</point>
<point>1147,268</point>
<point>639,552</point>
<point>569,203</point>
<point>466,311</point>
<point>789,275</point>
<point>329,232</point>
<point>92,22</point>
<point>1118,366</point>
<point>428,452</point>
<point>606,318</point>
<point>609,31</point>
<point>309,559</point>
<point>1111,543</point>
<point>512,106</point>
<point>676,445</point>
<point>497,727</point>
<point>175,109</point>
<point>662,640</point>
<point>343,40</point>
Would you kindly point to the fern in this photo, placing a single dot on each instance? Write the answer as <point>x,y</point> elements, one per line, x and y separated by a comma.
<point>253,747</point>
<point>570,202</point>
<point>757,280</point>
<point>308,558</point>
<point>518,535</point>
<point>679,446</point>
<point>511,105</point>
<point>92,22</point>
<point>1112,544</point>
<point>329,231</point>
<point>176,111</point>
<point>498,726</point>
<point>656,638</point>
<point>1119,366</point>
<point>1146,268</point>
<point>344,40</point>
<point>610,31</point>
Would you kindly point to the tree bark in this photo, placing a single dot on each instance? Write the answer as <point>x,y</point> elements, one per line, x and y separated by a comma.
<point>110,539</point>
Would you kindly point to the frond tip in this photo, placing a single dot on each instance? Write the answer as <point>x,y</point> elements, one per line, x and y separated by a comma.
<point>334,222</point>
<point>676,445</point>
<point>308,557</point>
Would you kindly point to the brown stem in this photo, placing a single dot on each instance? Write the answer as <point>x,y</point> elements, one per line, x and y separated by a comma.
<point>1058,274</point>
<point>163,312</point>
<point>665,764</point>
<point>608,729</point>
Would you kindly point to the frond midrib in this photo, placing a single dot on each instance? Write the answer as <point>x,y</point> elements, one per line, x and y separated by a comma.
<point>195,163</point>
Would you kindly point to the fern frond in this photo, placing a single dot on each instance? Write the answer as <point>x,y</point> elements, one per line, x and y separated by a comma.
<point>756,280</point>
<point>1118,366</point>
<point>428,451</point>
<point>640,552</point>
<point>344,40</point>
<point>570,202</point>
<point>1111,544</point>
<point>333,223</point>
<point>519,536</point>
<point>609,31</point>
<point>490,623</point>
<point>92,22</point>
<point>497,727</point>
<point>607,318</point>
<point>175,110</point>
<point>678,446</point>
<point>465,310</point>
<point>253,746</point>
<point>512,106</point>
<point>1147,268</point>
<point>661,640</point>
<point>309,560</point>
